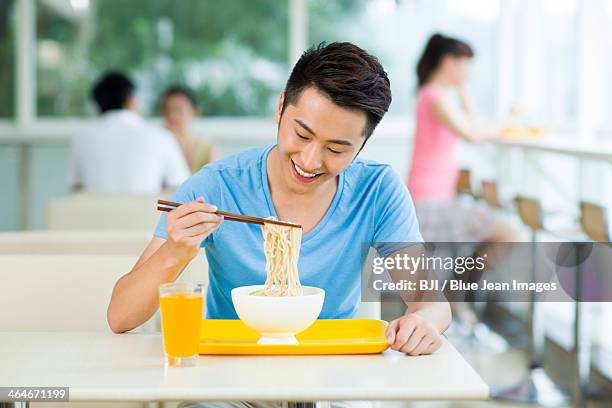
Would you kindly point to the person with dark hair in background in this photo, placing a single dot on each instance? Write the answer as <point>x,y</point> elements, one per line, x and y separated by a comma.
<point>333,100</point>
<point>443,68</point>
<point>179,108</point>
<point>121,153</point>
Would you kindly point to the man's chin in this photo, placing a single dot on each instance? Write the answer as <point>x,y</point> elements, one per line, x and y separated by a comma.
<point>298,188</point>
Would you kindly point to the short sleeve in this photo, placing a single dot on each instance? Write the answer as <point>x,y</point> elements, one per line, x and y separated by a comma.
<point>395,221</point>
<point>189,191</point>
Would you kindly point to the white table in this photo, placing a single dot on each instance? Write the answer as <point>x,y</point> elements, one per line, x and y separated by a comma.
<point>129,367</point>
<point>592,149</point>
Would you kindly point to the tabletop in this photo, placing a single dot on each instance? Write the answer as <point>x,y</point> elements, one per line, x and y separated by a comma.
<point>101,366</point>
<point>594,149</point>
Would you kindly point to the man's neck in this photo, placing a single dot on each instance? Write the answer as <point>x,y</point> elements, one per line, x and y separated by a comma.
<point>123,113</point>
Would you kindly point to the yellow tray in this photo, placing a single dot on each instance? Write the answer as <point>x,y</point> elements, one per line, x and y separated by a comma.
<point>350,336</point>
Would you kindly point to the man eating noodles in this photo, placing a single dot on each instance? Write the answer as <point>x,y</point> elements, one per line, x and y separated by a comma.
<point>333,100</point>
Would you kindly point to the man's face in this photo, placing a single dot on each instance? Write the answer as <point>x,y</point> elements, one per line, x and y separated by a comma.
<point>317,140</point>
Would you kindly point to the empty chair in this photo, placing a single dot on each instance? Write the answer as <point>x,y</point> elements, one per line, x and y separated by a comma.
<point>557,224</point>
<point>464,183</point>
<point>594,222</point>
<point>84,242</point>
<point>66,292</point>
<point>102,211</point>
<point>530,212</point>
<point>489,194</point>
<point>58,292</point>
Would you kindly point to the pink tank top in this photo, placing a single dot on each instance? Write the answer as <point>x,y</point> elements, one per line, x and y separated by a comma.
<point>433,171</point>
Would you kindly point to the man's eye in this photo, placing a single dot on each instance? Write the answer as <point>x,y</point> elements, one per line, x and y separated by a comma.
<point>302,137</point>
<point>333,151</point>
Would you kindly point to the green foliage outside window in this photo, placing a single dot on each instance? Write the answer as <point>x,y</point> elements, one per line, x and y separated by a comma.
<point>232,53</point>
<point>7,58</point>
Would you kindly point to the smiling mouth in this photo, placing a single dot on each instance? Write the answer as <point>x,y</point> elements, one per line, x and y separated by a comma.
<point>303,175</point>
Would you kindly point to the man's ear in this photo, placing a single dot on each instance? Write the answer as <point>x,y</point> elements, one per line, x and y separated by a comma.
<point>279,108</point>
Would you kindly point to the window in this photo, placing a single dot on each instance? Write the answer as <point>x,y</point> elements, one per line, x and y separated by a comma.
<point>560,51</point>
<point>7,58</point>
<point>396,32</point>
<point>608,63</point>
<point>232,54</point>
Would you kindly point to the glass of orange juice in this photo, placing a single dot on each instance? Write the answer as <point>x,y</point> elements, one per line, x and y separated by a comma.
<point>181,316</point>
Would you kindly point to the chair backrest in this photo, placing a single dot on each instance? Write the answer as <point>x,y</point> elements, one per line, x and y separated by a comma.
<point>594,222</point>
<point>66,292</point>
<point>530,212</point>
<point>58,292</point>
<point>464,184</point>
<point>489,193</point>
<point>73,242</point>
<point>102,211</point>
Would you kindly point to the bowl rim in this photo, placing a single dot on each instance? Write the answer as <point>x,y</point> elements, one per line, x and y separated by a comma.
<point>317,292</point>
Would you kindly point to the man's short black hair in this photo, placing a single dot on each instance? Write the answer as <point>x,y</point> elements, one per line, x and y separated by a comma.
<point>348,75</point>
<point>112,91</point>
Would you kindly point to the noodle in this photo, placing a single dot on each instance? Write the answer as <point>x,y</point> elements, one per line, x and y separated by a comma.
<point>282,250</point>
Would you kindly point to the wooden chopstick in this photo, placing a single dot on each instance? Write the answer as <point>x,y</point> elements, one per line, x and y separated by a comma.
<point>168,209</point>
<point>164,205</point>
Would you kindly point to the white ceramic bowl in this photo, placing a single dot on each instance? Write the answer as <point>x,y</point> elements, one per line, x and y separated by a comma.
<point>278,318</point>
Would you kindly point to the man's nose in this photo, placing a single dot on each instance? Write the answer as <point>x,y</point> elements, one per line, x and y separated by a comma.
<point>311,157</point>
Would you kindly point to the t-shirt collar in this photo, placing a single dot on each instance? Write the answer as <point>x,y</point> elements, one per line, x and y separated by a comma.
<point>123,115</point>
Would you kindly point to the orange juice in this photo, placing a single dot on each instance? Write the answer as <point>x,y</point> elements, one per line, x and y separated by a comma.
<point>181,315</point>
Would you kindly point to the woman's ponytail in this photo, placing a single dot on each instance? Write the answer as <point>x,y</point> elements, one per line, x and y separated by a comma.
<point>438,46</point>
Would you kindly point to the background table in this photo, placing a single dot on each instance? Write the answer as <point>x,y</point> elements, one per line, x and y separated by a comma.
<point>129,367</point>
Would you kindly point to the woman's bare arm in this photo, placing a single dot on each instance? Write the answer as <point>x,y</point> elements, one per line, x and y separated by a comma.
<point>465,121</point>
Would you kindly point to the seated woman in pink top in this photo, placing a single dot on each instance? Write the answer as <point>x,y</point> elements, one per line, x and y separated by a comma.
<point>444,67</point>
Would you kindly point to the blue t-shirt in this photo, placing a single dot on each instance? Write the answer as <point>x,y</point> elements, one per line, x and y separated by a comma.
<point>371,205</point>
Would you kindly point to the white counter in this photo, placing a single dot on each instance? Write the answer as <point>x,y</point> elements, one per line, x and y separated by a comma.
<point>594,149</point>
<point>129,367</point>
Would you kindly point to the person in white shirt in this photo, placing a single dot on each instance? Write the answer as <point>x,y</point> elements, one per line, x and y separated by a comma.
<point>121,153</point>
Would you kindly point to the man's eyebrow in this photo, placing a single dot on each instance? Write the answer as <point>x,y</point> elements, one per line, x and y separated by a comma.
<point>305,126</point>
<point>340,142</point>
<point>335,141</point>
